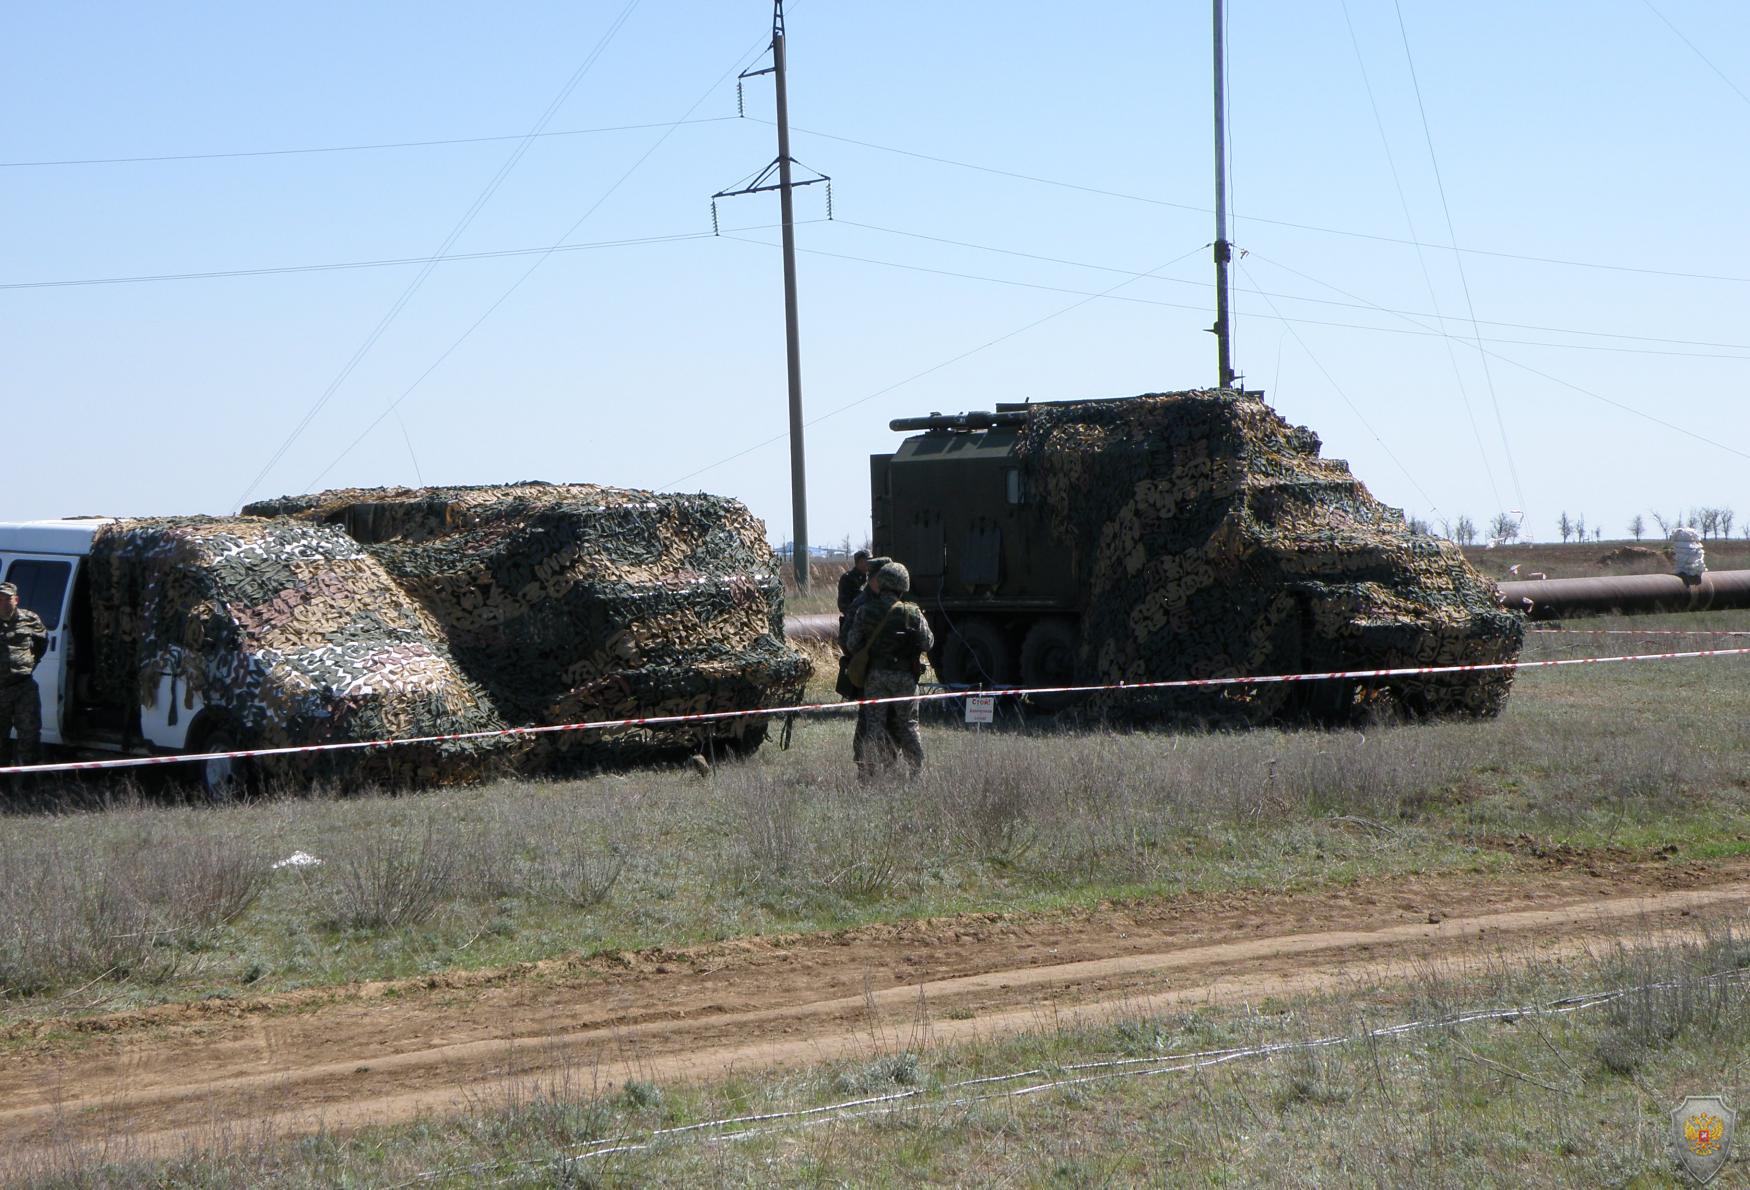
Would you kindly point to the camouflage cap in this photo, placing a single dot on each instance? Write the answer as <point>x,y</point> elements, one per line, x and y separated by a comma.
<point>9,589</point>
<point>895,578</point>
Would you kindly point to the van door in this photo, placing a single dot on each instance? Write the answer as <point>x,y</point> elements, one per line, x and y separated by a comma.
<point>44,585</point>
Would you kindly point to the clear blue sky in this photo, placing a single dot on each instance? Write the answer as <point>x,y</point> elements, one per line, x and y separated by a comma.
<point>1577,131</point>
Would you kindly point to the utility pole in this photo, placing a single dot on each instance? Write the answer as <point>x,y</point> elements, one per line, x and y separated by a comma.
<point>1223,249</point>
<point>792,335</point>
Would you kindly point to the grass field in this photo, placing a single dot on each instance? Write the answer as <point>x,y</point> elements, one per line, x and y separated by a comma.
<point>117,900</point>
<point>136,901</point>
<point>1562,1075</point>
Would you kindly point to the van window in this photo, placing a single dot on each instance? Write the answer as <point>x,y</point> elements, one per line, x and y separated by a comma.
<point>41,586</point>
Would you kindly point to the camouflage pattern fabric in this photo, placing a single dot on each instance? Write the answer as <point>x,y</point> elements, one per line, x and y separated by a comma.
<point>572,602</point>
<point>23,639</point>
<point>21,709</point>
<point>889,731</point>
<point>1220,544</point>
<point>904,634</point>
<point>293,631</point>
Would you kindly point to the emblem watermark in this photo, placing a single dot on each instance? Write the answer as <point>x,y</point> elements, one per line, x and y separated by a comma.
<point>1701,1133</point>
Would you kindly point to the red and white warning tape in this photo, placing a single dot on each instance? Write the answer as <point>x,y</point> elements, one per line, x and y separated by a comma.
<point>1639,631</point>
<point>831,707</point>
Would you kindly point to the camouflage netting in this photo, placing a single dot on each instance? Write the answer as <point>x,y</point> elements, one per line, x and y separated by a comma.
<point>292,632</point>
<point>574,602</point>
<point>1224,545</point>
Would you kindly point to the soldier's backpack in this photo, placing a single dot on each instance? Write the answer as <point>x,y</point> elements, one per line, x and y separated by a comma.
<point>856,667</point>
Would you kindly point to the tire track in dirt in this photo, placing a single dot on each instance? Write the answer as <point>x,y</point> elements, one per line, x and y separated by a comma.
<point>387,1052</point>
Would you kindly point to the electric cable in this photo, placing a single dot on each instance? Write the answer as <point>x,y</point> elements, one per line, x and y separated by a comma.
<point>1463,278</point>
<point>881,392</point>
<point>1421,256</point>
<point>385,262</point>
<point>1696,50</point>
<point>1640,413</point>
<point>1205,284</point>
<point>540,259</point>
<point>359,148</point>
<point>1059,183</point>
<point>1204,309</point>
<point>462,225</point>
<point>1353,408</point>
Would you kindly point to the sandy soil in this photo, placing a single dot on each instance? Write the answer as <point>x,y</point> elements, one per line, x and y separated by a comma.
<point>373,1053</point>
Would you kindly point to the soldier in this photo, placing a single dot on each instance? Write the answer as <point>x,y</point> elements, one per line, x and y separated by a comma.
<point>870,586</point>
<point>851,584</point>
<point>897,635</point>
<point>25,640</point>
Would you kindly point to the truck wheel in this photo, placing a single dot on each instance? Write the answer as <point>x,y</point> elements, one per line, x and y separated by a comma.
<point>746,743</point>
<point>226,780</point>
<point>976,653</point>
<point>1048,658</point>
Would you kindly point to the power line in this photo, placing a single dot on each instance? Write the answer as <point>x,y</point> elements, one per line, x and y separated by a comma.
<point>1335,231</point>
<point>385,262</point>
<point>1696,50</point>
<point>540,259</point>
<point>677,237</point>
<point>881,392</point>
<point>1421,257</point>
<point>1203,308</point>
<point>1463,280</point>
<point>359,148</point>
<point>1353,408</point>
<point>461,226</point>
<point>1640,413</point>
<point>894,231</point>
<point>935,159</point>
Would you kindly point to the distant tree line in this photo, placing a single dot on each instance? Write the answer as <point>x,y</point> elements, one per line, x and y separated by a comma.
<point>1711,523</point>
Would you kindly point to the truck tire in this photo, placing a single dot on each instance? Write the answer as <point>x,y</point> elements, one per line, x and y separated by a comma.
<point>223,781</point>
<point>744,744</point>
<point>1048,658</point>
<point>977,653</point>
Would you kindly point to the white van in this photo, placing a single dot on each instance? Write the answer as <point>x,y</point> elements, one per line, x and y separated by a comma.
<point>44,559</point>
<point>225,662</point>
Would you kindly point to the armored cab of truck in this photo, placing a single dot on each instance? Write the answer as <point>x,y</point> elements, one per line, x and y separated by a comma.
<point>1173,536</point>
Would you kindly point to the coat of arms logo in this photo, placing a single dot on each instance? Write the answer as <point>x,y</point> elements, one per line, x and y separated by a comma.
<point>1701,1129</point>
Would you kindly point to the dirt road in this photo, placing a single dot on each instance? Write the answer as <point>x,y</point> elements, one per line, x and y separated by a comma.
<point>385,1052</point>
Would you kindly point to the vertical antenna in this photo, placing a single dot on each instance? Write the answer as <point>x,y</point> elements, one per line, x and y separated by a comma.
<point>1223,250</point>
<point>792,336</point>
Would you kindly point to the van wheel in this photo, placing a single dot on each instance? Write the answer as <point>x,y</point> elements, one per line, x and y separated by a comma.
<point>1048,658</point>
<point>224,780</point>
<point>977,653</point>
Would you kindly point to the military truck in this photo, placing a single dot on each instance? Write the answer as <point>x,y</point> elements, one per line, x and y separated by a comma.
<point>1176,535</point>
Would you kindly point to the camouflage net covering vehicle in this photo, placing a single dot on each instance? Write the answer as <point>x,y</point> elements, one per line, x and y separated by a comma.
<point>569,603</point>
<point>278,633</point>
<point>1216,542</point>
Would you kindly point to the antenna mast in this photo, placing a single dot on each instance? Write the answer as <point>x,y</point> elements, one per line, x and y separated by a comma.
<point>1223,249</point>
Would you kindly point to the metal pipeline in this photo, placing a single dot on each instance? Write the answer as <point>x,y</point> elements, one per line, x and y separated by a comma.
<point>1545,599</point>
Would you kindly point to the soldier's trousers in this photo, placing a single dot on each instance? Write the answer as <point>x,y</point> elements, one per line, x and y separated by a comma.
<point>888,731</point>
<point>21,709</point>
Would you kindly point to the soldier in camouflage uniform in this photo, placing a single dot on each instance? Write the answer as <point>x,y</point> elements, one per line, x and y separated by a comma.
<point>896,634</point>
<point>863,596</point>
<point>24,640</point>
